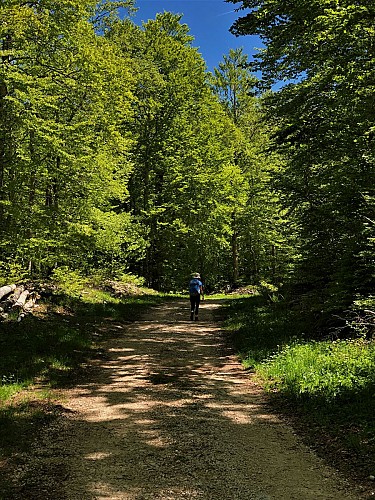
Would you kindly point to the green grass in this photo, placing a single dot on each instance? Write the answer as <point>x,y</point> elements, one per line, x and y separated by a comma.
<point>324,370</point>
<point>326,387</point>
<point>9,388</point>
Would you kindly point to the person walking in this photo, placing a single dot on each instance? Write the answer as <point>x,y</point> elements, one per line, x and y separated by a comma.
<point>196,293</point>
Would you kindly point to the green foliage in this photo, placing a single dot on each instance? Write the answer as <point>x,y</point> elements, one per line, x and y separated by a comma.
<point>113,139</point>
<point>9,386</point>
<point>260,248</point>
<point>274,341</point>
<point>68,282</point>
<point>234,85</point>
<point>326,387</point>
<point>322,370</point>
<point>130,278</point>
<point>183,149</point>
<point>324,129</point>
<point>68,159</point>
<point>12,273</point>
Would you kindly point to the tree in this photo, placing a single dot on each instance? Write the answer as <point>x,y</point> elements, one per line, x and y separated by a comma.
<point>255,217</point>
<point>182,151</point>
<point>233,84</point>
<point>62,102</point>
<point>325,127</point>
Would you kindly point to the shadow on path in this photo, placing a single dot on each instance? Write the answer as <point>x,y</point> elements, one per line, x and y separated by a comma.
<point>168,413</point>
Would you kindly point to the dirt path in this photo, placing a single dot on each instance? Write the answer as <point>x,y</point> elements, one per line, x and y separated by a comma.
<point>168,413</point>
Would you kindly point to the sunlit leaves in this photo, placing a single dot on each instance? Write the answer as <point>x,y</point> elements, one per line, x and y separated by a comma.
<point>66,93</point>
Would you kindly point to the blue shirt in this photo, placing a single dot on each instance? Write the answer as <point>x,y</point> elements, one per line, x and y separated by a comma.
<point>194,286</point>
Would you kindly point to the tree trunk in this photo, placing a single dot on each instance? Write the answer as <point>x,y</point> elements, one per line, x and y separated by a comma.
<point>32,183</point>
<point>4,144</point>
<point>22,299</point>
<point>273,263</point>
<point>52,188</point>
<point>234,250</point>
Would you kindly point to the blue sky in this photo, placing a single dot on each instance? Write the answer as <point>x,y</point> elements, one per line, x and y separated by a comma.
<point>209,22</point>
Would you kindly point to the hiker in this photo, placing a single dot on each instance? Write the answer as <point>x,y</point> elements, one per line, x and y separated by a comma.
<point>196,292</point>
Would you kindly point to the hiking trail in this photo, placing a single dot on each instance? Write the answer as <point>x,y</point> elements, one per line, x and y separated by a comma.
<point>167,412</point>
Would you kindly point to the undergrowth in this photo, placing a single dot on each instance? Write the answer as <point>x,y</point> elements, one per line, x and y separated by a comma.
<point>325,370</point>
<point>330,385</point>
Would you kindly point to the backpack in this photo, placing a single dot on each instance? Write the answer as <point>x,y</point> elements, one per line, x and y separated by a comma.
<point>194,287</point>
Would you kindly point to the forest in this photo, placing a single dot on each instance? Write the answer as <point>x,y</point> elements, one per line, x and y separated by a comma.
<point>126,166</point>
<point>120,154</point>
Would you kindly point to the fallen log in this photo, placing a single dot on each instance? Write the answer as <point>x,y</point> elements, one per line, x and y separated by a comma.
<point>12,299</point>
<point>6,290</point>
<point>16,294</point>
<point>28,306</point>
<point>22,299</point>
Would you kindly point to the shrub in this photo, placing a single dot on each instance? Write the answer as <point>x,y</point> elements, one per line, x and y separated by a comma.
<point>69,282</point>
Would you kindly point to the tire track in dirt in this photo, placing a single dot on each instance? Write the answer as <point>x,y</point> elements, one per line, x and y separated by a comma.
<point>168,413</point>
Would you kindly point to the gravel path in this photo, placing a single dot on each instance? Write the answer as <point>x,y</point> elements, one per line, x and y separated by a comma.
<point>168,413</point>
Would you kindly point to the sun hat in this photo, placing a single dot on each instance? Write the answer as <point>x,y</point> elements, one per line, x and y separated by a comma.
<point>196,275</point>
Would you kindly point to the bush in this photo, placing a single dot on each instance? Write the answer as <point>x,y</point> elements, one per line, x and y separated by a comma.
<point>69,282</point>
<point>11,273</point>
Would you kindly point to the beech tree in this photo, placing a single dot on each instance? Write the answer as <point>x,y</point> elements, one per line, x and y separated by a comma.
<point>63,162</point>
<point>182,152</point>
<point>324,115</point>
<point>259,250</point>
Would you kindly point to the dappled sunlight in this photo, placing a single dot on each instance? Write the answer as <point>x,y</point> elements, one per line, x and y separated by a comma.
<point>159,364</point>
<point>169,413</point>
<point>165,392</point>
<point>98,455</point>
<point>237,416</point>
<point>101,410</point>
<point>105,491</point>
